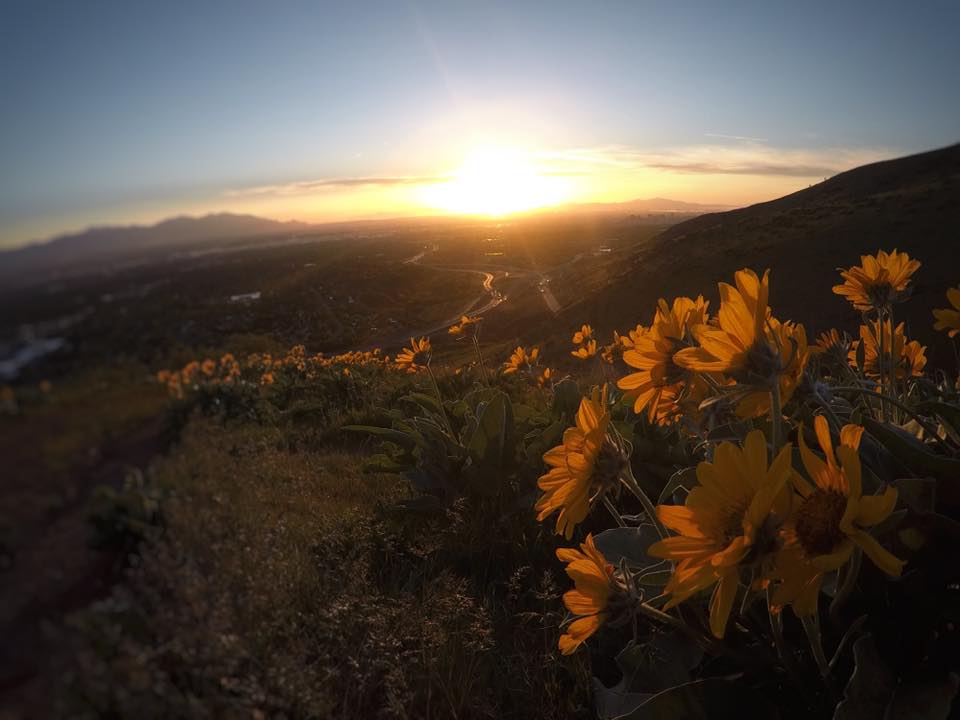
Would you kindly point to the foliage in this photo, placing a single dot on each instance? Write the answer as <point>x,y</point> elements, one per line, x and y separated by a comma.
<point>752,522</point>
<point>122,517</point>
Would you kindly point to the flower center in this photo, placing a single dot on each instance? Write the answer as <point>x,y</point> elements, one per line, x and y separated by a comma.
<point>818,521</point>
<point>608,466</point>
<point>880,293</point>
<point>763,361</point>
<point>733,527</point>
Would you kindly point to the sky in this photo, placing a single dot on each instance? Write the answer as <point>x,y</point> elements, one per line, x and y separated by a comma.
<point>133,111</point>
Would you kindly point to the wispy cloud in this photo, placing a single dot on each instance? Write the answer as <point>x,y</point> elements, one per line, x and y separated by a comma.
<point>752,158</point>
<point>304,187</point>
<point>745,138</point>
<point>749,157</point>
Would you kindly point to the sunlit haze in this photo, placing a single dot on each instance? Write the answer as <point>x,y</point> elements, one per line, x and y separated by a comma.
<point>118,112</point>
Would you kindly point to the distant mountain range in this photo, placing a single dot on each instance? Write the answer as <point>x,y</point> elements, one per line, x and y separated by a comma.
<point>118,244</point>
<point>78,251</point>
<point>910,203</point>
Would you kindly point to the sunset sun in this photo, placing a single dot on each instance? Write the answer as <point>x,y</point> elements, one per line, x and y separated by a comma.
<point>496,181</point>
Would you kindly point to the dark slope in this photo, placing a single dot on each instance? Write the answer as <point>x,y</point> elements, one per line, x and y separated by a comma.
<point>910,203</point>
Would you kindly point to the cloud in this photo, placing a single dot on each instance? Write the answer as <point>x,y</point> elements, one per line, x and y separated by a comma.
<point>745,138</point>
<point>304,187</point>
<point>751,158</point>
<point>748,156</point>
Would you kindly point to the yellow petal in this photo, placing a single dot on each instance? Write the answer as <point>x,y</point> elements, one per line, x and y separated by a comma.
<point>876,508</point>
<point>881,557</point>
<point>834,560</point>
<point>850,435</point>
<point>722,602</point>
<point>680,519</point>
<point>680,547</point>
<point>822,430</point>
<point>816,468</point>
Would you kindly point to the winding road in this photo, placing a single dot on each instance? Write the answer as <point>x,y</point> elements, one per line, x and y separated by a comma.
<point>487,300</point>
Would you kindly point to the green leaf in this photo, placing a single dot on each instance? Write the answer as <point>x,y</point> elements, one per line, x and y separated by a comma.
<point>398,436</point>
<point>427,402</point>
<point>628,544</point>
<point>706,699</point>
<point>524,414</point>
<point>566,400</point>
<point>489,444</point>
<point>616,702</point>
<point>919,493</point>
<point>384,463</point>
<point>663,661</point>
<point>538,442</point>
<point>685,478</point>
<point>949,415</point>
<point>914,453</point>
<point>874,690</point>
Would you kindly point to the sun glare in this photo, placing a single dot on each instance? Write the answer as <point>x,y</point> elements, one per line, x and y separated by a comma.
<point>496,181</point>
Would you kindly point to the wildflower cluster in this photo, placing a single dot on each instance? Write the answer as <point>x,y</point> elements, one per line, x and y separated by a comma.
<point>264,369</point>
<point>739,391</point>
<point>522,360</point>
<point>585,342</point>
<point>731,487</point>
<point>224,371</point>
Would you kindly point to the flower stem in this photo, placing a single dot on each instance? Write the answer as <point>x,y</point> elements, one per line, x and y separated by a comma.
<point>613,511</point>
<point>443,410</point>
<point>846,588</point>
<point>776,417</point>
<point>892,380</point>
<point>483,367</point>
<point>780,642</point>
<point>881,357</point>
<point>633,486</point>
<point>811,626</point>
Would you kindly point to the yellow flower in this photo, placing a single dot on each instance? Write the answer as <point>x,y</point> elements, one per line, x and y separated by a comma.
<point>521,360</point>
<point>545,378</point>
<point>947,319</point>
<point>828,521</point>
<point>878,281</point>
<point>266,378</point>
<point>614,351</point>
<point>208,367</point>
<point>585,351</point>
<point>189,371</point>
<point>723,524</point>
<point>660,383</point>
<point>748,344</point>
<point>585,466</point>
<point>830,340</point>
<point>912,357</point>
<point>416,356</point>
<point>582,335</point>
<point>594,583</point>
<point>638,332</point>
<point>466,326</point>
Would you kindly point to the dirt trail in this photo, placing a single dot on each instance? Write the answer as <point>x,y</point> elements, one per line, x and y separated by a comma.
<point>55,572</point>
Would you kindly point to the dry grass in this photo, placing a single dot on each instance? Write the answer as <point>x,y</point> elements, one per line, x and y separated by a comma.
<point>276,588</point>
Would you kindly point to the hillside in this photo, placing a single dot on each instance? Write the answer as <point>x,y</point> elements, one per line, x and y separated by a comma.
<point>909,203</point>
